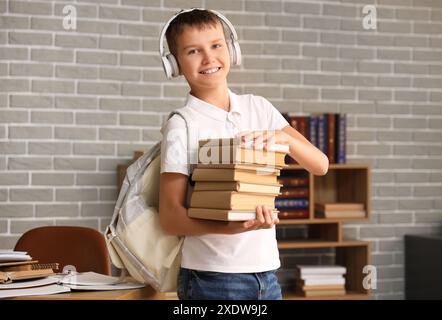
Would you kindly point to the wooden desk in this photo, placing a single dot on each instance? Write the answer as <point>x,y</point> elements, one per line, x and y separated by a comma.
<point>146,293</point>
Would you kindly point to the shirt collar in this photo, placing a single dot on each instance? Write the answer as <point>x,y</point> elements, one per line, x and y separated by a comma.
<point>212,111</point>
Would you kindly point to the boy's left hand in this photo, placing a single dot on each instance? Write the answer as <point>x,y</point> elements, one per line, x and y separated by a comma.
<point>264,139</point>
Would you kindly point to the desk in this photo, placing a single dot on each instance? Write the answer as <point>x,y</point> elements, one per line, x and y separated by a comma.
<point>146,293</point>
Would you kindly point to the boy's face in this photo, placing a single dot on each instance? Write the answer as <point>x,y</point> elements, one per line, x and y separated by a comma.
<point>203,57</point>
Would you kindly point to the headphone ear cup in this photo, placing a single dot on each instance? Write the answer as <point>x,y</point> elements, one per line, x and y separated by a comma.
<point>237,51</point>
<point>166,66</point>
<point>175,70</point>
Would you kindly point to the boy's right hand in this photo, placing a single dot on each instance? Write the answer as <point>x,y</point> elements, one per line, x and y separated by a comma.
<point>264,220</point>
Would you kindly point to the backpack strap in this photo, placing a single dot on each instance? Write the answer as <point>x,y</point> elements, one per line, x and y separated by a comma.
<point>188,118</point>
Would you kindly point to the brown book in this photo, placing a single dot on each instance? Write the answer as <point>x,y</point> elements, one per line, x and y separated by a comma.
<point>293,214</point>
<point>331,127</point>
<point>223,215</point>
<point>230,200</point>
<point>338,206</point>
<point>293,181</point>
<point>25,275</point>
<point>239,154</point>
<point>236,186</point>
<point>293,193</point>
<point>323,293</point>
<point>224,142</point>
<point>320,287</point>
<point>256,168</point>
<point>201,174</point>
<point>27,265</point>
<point>340,214</point>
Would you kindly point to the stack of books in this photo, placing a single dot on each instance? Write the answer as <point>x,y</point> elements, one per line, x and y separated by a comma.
<point>316,281</point>
<point>232,178</point>
<point>339,210</point>
<point>18,266</point>
<point>293,201</point>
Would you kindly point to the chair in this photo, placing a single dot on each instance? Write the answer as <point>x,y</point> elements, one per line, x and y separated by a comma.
<point>84,248</point>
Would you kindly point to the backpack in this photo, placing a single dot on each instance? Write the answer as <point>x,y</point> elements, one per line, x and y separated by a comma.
<point>134,237</point>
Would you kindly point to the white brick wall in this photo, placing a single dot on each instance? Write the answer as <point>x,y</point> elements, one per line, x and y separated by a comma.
<point>74,104</point>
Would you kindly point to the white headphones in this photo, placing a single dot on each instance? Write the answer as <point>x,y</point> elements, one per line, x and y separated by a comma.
<point>170,64</point>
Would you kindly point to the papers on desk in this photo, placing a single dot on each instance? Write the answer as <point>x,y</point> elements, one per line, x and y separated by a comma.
<point>61,283</point>
<point>10,255</point>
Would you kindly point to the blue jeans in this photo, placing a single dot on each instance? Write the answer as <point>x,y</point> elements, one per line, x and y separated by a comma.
<point>207,285</point>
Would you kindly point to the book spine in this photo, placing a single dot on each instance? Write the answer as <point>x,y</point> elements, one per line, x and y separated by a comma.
<point>341,133</point>
<point>322,133</point>
<point>313,129</point>
<point>291,203</point>
<point>293,193</point>
<point>293,181</point>
<point>293,214</point>
<point>331,127</point>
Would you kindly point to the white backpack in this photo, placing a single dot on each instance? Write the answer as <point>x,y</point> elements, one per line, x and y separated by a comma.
<point>134,237</point>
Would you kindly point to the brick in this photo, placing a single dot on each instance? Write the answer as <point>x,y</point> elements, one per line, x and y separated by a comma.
<point>57,210</point>
<point>97,209</point>
<point>321,79</point>
<point>53,86</point>
<point>34,7</point>
<point>30,101</point>
<point>29,163</point>
<point>119,104</point>
<point>30,194</point>
<point>122,74</point>
<point>120,43</point>
<point>95,57</point>
<point>127,150</point>
<point>94,149</point>
<point>139,120</point>
<point>44,23</point>
<point>138,30</point>
<point>97,179</point>
<point>319,51</point>
<point>427,217</point>
<point>116,134</point>
<point>111,88</point>
<point>10,147</point>
<point>52,55</point>
<point>411,177</point>
<point>76,72</point>
<point>52,117</point>
<point>376,232</point>
<point>13,22</point>
<point>132,89</point>
<point>118,13</point>
<point>73,164</point>
<point>83,10</point>
<point>299,64</point>
<point>31,132</point>
<point>276,20</point>
<point>13,116</point>
<point>108,194</point>
<point>302,7</point>
<point>300,36</point>
<point>76,41</point>
<point>52,179</point>
<point>76,102</point>
<point>394,136</point>
<point>14,85</point>
<point>142,60</point>
<point>96,118</point>
<point>338,38</point>
<point>76,194</point>
<point>75,133</point>
<point>31,69</point>
<point>12,53</point>
<point>10,178</point>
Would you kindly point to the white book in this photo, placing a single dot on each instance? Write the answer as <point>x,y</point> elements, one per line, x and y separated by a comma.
<point>34,291</point>
<point>88,279</point>
<point>118,286</point>
<point>14,256</point>
<point>303,270</point>
<point>322,282</point>
<point>28,283</point>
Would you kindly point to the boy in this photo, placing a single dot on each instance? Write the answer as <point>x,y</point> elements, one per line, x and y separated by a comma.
<point>235,260</point>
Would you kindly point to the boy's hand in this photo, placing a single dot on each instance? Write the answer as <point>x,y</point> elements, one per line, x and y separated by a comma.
<point>264,220</point>
<point>265,139</point>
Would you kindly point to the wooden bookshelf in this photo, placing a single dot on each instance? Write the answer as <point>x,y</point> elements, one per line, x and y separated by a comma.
<point>343,183</point>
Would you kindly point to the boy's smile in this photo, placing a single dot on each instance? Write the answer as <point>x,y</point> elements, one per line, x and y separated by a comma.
<point>203,57</point>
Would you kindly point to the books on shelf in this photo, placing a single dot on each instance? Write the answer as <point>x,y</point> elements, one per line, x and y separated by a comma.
<point>224,215</point>
<point>340,210</point>
<point>325,131</point>
<point>231,190</point>
<point>316,281</point>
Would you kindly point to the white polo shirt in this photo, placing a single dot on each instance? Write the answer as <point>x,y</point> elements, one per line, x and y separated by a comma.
<point>252,251</point>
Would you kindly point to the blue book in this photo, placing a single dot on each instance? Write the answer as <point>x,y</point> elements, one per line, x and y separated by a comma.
<point>313,129</point>
<point>341,135</point>
<point>291,203</point>
<point>322,133</point>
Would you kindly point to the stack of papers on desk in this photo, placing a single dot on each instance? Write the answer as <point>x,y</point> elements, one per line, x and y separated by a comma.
<point>62,283</point>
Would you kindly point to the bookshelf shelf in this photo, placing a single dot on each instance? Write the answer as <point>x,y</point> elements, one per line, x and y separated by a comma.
<point>344,183</point>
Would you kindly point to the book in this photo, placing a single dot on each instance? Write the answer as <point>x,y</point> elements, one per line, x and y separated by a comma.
<point>221,142</point>
<point>291,203</point>
<point>223,215</point>
<point>323,293</point>
<point>321,287</point>
<point>341,135</point>
<point>340,214</point>
<point>27,265</point>
<point>257,168</point>
<point>331,140</point>
<point>326,281</point>
<point>338,206</point>
<point>287,192</point>
<point>250,176</point>
<point>236,186</point>
<point>293,214</point>
<point>302,270</point>
<point>34,291</point>
<point>293,181</point>
<point>10,255</point>
<point>230,200</point>
<point>240,154</point>
<point>24,275</point>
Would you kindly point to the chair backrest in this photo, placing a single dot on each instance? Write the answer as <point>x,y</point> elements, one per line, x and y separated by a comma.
<point>84,248</point>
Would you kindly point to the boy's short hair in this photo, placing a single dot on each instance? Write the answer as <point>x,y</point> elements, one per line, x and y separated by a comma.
<point>196,18</point>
